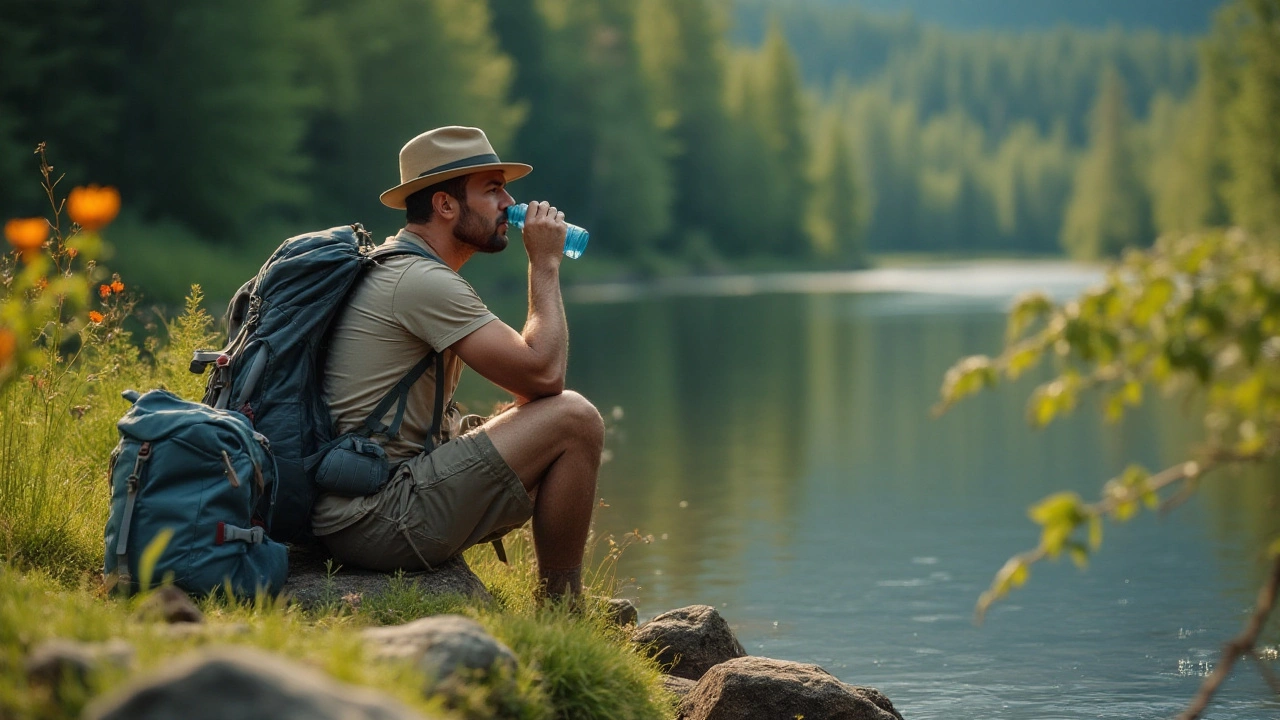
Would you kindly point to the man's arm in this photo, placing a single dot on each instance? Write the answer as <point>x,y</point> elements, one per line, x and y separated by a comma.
<point>530,364</point>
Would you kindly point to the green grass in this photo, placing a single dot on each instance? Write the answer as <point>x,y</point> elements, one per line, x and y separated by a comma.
<point>57,430</point>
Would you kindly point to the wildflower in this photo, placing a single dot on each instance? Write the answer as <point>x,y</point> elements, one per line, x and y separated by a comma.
<point>117,286</point>
<point>104,291</point>
<point>26,234</point>
<point>93,207</point>
<point>42,283</point>
<point>72,253</point>
<point>95,317</point>
<point>8,343</point>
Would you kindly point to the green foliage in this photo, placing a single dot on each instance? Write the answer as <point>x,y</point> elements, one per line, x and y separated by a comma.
<point>1249,42</point>
<point>1196,316</point>
<point>1109,207</point>
<point>835,216</point>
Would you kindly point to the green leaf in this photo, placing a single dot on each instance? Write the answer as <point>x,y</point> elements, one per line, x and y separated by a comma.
<point>1023,359</point>
<point>151,556</point>
<point>1059,507</point>
<point>1027,308</point>
<point>1154,297</point>
<point>1079,555</point>
<point>1095,532</point>
<point>967,377</point>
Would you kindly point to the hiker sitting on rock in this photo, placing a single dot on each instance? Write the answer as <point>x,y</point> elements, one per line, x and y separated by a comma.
<point>538,458</point>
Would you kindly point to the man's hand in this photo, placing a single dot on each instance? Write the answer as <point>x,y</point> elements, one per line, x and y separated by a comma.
<point>543,234</point>
<point>530,364</point>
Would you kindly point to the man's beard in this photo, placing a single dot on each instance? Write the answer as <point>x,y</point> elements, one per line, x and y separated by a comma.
<point>474,231</point>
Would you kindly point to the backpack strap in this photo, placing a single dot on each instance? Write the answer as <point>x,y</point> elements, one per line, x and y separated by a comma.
<point>399,393</point>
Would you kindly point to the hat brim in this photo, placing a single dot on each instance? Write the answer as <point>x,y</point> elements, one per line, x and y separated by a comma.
<point>394,198</point>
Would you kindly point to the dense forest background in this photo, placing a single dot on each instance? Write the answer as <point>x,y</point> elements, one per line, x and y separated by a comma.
<point>686,134</point>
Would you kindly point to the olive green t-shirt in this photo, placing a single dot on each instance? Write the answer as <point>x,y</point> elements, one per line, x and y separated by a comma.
<point>399,311</point>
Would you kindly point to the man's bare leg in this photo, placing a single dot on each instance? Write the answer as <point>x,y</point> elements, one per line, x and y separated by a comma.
<point>554,446</point>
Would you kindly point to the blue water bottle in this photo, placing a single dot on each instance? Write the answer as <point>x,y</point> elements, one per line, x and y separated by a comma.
<point>575,238</point>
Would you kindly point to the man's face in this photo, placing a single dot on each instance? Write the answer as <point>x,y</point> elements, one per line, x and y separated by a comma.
<point>482,223</point>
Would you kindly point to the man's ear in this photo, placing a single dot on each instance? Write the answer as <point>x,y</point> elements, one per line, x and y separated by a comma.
<point>445,205</point>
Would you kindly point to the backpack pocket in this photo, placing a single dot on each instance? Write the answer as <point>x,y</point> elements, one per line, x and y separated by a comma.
<point>354,467</point>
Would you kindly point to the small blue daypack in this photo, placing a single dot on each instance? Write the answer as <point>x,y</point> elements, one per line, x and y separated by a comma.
<point>200,473</point>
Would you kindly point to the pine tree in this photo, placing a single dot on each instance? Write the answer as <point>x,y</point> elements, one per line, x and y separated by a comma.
<point>1253,118</point>
<point>213,113</point>
<point>834,222</point>
<point>418,64</point>
<point>1109,208</point>
<point>682,52</point>
<point>769,155</point>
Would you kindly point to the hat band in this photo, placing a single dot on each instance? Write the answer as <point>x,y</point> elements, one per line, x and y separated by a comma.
<point>486,159</point>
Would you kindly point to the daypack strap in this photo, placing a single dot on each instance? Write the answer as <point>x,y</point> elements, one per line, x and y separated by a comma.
<point>122,543</point>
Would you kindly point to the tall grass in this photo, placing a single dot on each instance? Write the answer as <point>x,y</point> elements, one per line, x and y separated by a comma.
<point>57,430</point>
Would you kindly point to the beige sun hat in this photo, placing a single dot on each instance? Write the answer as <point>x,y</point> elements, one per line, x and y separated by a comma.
<point>445,153</point>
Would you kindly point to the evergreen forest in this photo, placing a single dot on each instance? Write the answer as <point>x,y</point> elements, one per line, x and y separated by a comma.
<point>706,133</point>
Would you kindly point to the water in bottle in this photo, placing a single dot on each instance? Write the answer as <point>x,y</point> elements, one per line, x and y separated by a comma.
<point>575,238</point>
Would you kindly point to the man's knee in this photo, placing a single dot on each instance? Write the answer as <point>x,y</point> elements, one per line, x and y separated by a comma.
<point>583,419</point>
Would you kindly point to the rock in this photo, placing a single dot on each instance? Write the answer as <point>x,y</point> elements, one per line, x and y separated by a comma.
<point>622,611</point>
<point>442,646</point>
<point>242,683</point>
<point>678,686</point>
<point>171,605</point>
<point>766,688</point>
<point>54,661</point>
<point>183,631</point>
<point>688,641</point>
<point>311,584</point>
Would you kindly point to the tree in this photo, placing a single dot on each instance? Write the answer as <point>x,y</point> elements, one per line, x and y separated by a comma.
<point>414,65</point>
<point>1109,208</point>
<point>769,149</point>
<point>213,116</point>
<point>682,53</point>
<point>1253,115</point>
<point>591,130</point>
<point>835,211</point>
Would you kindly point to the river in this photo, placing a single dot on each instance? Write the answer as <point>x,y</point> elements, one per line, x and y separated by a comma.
<point>773,435</point>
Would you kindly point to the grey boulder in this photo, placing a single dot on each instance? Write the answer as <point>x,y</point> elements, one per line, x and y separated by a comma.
<point>54,662</point>
<point>169,604</point>
<point>311,582</point>
<point>766,688</point>
<point>688,641</point>
<point>245,684</point>
<point>442,646</point>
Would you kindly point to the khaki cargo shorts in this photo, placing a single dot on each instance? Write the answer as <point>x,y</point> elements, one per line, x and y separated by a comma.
<point>434,507</point>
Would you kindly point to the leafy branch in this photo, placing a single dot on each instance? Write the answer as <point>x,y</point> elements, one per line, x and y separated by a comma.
<point>1196,317</point>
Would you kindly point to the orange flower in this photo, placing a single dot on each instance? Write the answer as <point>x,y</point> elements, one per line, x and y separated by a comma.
<point>104,291</point>
<point>93,207</point>
<point>42,283</point>
<point>117,286</point>
<point>95,316</point>
<point>26,234</point>
<point>72,253</point>
<point>8,343</point>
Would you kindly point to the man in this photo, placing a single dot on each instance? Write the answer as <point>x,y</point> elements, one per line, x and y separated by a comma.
<point>537,459</point>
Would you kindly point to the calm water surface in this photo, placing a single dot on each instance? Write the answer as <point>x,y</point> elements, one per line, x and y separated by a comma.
<point>778,446</point>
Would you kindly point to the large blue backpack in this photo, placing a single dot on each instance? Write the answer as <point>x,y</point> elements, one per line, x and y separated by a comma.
<point>198,473</point>
<point>271,370</point>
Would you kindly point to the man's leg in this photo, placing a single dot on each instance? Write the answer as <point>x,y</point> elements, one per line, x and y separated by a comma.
<point>554,446</point>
